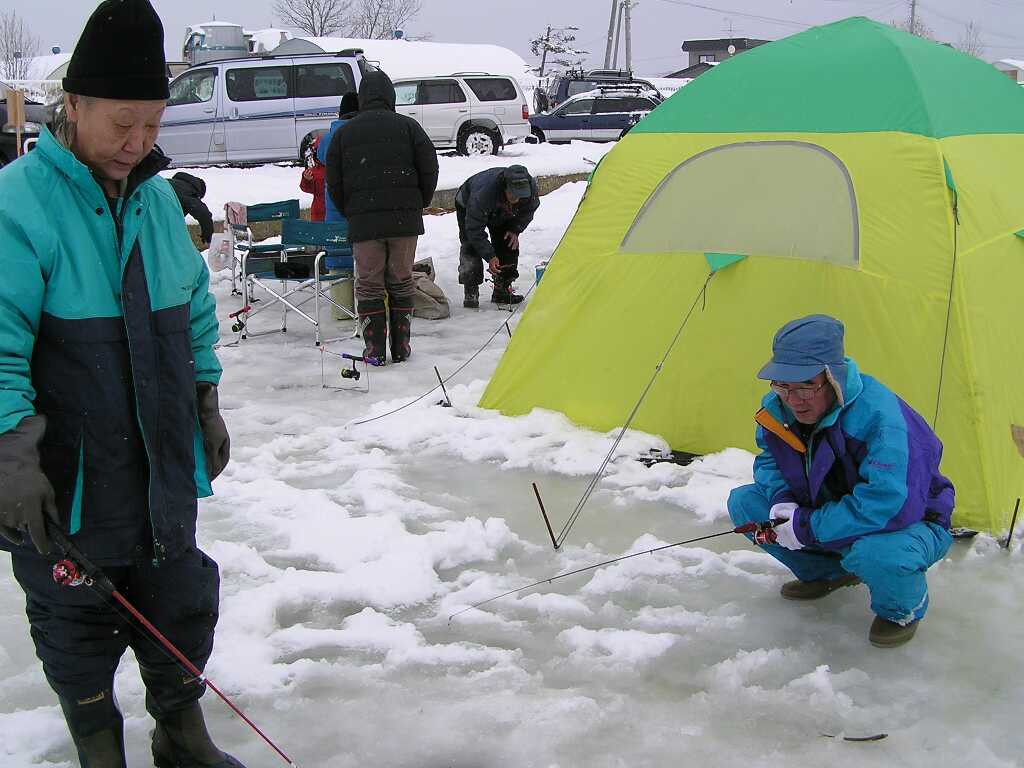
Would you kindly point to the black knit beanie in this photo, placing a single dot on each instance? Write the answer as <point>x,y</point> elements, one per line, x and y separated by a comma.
<point>120,54</point>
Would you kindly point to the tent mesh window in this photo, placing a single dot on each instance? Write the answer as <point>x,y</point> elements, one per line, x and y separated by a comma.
<point>774,198</point>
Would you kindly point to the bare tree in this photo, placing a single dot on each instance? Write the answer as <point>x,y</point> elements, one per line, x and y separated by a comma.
<point>18,46</point>
<point>970,41</point>
<point>918,28</point>
<point>378,19</point>
<point>318,18</point>
<point>557,43</point>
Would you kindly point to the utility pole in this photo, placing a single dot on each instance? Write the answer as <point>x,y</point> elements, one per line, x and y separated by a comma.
<point>627,5</point>
<point>618,35</point>
<point>611,34</point>
<point>913,17</point>
<point>544,54</point>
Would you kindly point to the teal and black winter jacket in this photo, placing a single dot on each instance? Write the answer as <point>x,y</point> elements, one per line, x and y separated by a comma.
<point>106,325</point>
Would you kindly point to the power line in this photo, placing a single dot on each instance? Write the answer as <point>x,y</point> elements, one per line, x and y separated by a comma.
<point>741,14</point>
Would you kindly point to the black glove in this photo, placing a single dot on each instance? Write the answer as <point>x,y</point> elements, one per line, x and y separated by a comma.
<point>26,496</point>
<point>216,442</point>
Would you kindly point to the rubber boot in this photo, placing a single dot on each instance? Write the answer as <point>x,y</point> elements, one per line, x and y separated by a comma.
<point>503,294</point>
<point>472,298</point>
<point>813,590</point>
<point>400,322</point>
<point>181,740</point>
<point>889,634</point>
<point>97,729</point>
<point>373,324</point>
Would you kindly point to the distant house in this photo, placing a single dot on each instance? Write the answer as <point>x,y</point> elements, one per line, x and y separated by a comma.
<point>1012,68</point>
<point>714,51</point>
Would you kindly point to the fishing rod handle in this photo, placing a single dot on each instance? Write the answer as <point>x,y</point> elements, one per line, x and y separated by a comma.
<point>764,531</point>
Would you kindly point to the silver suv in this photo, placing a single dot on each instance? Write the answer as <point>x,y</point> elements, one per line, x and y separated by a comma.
<point>475,112</point>
<point>257,109</point>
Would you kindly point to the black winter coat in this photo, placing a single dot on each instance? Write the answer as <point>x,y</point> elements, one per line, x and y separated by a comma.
<point>481,196</point>
<point>381,166</point>
<point>190,190</point>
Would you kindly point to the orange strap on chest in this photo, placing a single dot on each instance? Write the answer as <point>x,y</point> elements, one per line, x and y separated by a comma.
<point>779,429</point>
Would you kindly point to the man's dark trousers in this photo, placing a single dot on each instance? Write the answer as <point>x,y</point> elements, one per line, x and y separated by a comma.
<point>80,638</point>
<point>472,264</point>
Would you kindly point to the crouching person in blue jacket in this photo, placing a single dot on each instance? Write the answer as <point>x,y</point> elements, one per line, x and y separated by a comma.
<point>109,423</point>
<point>854,473</point>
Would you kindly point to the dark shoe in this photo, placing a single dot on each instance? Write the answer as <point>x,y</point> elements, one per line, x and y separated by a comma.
<point>889,634</point>
<point>97,729</point>
<point>401,329</point>
<point>472,299</point>
<point>373,325</point>
<point>503,294</point>
<point>182,741</point>
<point>812,590</point>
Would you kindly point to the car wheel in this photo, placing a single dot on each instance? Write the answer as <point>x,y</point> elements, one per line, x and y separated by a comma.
<point>539,134</point>
<point>478,141</point>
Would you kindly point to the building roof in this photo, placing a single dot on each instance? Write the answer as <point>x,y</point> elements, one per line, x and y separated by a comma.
<point>407,58</point>
<point>1012,63</point>
<point>741,43</point>
<point>694,71</point>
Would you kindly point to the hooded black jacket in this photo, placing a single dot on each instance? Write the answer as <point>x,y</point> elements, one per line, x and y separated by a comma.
<point>381,166</point>
<point>190,190</point>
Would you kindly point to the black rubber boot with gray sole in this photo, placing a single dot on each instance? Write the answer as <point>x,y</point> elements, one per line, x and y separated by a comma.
<point>813,590</point>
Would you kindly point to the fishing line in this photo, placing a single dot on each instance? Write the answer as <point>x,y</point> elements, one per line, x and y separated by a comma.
<point>763,532</point>
<point>452,375</point>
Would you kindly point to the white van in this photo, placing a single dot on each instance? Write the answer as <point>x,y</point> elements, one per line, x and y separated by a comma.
<point>257,109</point>
<point>475,112</point>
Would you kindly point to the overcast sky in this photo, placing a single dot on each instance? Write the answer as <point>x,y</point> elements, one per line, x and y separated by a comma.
<point>659,26</point>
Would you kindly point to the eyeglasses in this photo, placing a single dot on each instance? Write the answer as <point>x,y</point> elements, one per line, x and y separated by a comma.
<point>802,393</point>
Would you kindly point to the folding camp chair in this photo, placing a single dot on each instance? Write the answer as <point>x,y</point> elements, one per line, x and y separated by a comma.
<point>307,249</point>
<point>238,217</point>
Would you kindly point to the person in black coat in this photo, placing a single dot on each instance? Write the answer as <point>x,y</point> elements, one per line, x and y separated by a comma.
<point>190,191</point>
<point>500,202</point>
<point>381,174</point>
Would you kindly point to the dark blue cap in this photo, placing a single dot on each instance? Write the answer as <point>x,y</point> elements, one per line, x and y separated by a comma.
<point>804,348</point>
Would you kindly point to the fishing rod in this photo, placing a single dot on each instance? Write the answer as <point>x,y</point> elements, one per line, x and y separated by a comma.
<point>763,533</point>
<point>75,570</point>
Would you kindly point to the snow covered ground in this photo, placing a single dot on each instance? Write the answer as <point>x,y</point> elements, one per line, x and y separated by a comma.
<point>267,183</point>
<point>344,549</point>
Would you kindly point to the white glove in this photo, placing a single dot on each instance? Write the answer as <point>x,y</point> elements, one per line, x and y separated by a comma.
<point>784,510</point>
<point>784,533</point>
<point>785,536</point>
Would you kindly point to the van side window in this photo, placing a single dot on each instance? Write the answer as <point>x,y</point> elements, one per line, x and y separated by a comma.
<point>441,92</point>
<point>193,88</point>
<point>259,83</point>
<point>333,79</point>
<point>492,88</point>
<point>405,94</point>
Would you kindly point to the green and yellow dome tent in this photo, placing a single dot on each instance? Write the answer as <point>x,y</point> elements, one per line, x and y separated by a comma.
<point>853,170</point>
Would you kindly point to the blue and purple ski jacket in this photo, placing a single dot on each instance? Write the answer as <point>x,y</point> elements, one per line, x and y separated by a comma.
<point>871,465</point>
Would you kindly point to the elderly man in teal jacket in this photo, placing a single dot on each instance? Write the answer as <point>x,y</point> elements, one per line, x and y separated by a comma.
<point>850,474</point>
<point>109,423</point>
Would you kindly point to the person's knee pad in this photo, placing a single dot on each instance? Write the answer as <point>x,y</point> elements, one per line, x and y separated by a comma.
<point>89,714</point>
